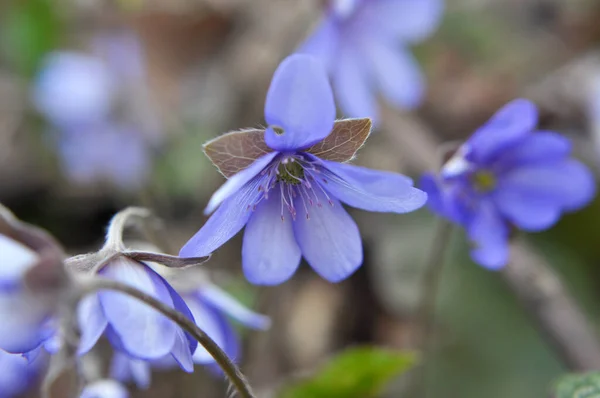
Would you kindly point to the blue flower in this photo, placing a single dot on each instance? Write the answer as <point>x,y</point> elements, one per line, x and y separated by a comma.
<point>104,389</point>
<point>289,199</point>
<point>358,41</point>
<point>79,93</point>
<point>211,308</point>
<point>105,152</point>
<point>31,278</point>
<point>17,373</point>
<point>130,325</point>
<point>508,174</point>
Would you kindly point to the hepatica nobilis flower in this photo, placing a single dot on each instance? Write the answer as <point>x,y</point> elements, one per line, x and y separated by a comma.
<point>286,183</point>
<point>130,325</point>
<point>79,94</point>
<point>508,174</point>
<point>212,309</point>
<point>32,277</point>
<point>104,389</point>
<point>363,44</point>
<point>17,373</point>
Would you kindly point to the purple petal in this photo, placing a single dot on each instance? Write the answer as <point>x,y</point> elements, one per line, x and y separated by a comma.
<point>534,196</point>
<point>229,305</point>
<point>105,389</point>
<point>397,74</point>
<point>353,85</point>
<point>270,254</point>
<point>125,369</point>
<point>16,374</point>
<point>105,151</point>
<point>329,239</point>
<point>489,234</point>
<point>227,221</point>
<point>372,190</point>
<point>300,101</point>
<point>406,20</point>
<point>54,343</point>
<point>435,198</point>
<point>144,332</point>
<point>539,147</point>
<point>182,307</point>
<point>22,326</point>
<point>92,322</point>
<point>73,88</point>
<point>122,52</point>
<point>181,352</point>
<point>237,181</point>
<point>212,322</point>
<point>510,124</point>
<point>15,258</point>
<point>323,43</point>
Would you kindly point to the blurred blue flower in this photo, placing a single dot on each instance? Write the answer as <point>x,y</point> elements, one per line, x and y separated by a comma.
<point>105,152</point>
<point>104,389</point>
<point>508,174</point>
<point>363,44</point>
<point>131,326</point>
<point>288,199</point>
<point>25,318</point>
<point>81,96</point>
<point>211,308</point>
<point>17,373</point>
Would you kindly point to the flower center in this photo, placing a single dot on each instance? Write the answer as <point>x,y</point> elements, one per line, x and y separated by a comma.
<point>298,182</point>
<point>484,181</point>
<point>290,171</point>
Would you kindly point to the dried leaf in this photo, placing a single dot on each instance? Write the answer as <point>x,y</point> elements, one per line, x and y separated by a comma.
<point>234,151</point>
<point>347,137</point>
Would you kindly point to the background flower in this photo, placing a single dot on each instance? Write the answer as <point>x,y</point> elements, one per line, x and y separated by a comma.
<point>508,174</point>
<point>105,389</point>
<point>31,277</point>
<point>130,325</point>
<point>213,310</point>
<point>17,373</point>
<point>98,107</point>
<point>363,44</point>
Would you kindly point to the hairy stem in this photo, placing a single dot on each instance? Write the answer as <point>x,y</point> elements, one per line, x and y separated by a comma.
<point>232,372</point>
<point>425,316</point>
<point>557,316</point>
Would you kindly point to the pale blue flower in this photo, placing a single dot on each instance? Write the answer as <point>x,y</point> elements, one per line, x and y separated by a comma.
<point>364,45</point>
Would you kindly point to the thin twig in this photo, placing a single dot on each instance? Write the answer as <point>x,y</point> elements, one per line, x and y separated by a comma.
<point>232,372</point>
<point>560,321</point>
<point>427,304</point>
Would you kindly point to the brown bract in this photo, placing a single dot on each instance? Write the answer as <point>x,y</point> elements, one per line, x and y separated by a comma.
<point>234,151</point>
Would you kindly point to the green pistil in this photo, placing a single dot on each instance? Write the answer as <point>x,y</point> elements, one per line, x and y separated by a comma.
<point>288,171</point>
<point>484,181</point>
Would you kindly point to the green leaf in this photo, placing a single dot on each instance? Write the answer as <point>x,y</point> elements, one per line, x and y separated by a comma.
<point>28,30</point>
<point>360,372</point>
<point>579,386</point>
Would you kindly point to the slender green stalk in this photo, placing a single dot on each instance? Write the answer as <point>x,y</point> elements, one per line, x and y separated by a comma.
<point>425,316</point>
<point>232,372</point>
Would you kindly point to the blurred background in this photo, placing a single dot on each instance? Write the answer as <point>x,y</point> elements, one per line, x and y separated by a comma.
<point>106,104</point>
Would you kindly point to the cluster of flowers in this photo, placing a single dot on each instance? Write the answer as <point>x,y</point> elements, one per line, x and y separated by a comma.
<point>286,184</point>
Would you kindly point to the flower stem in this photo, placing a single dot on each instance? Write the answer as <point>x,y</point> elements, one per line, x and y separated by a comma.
<point>425,316</point>
<point>232,372</point>
<point>555,313</point>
